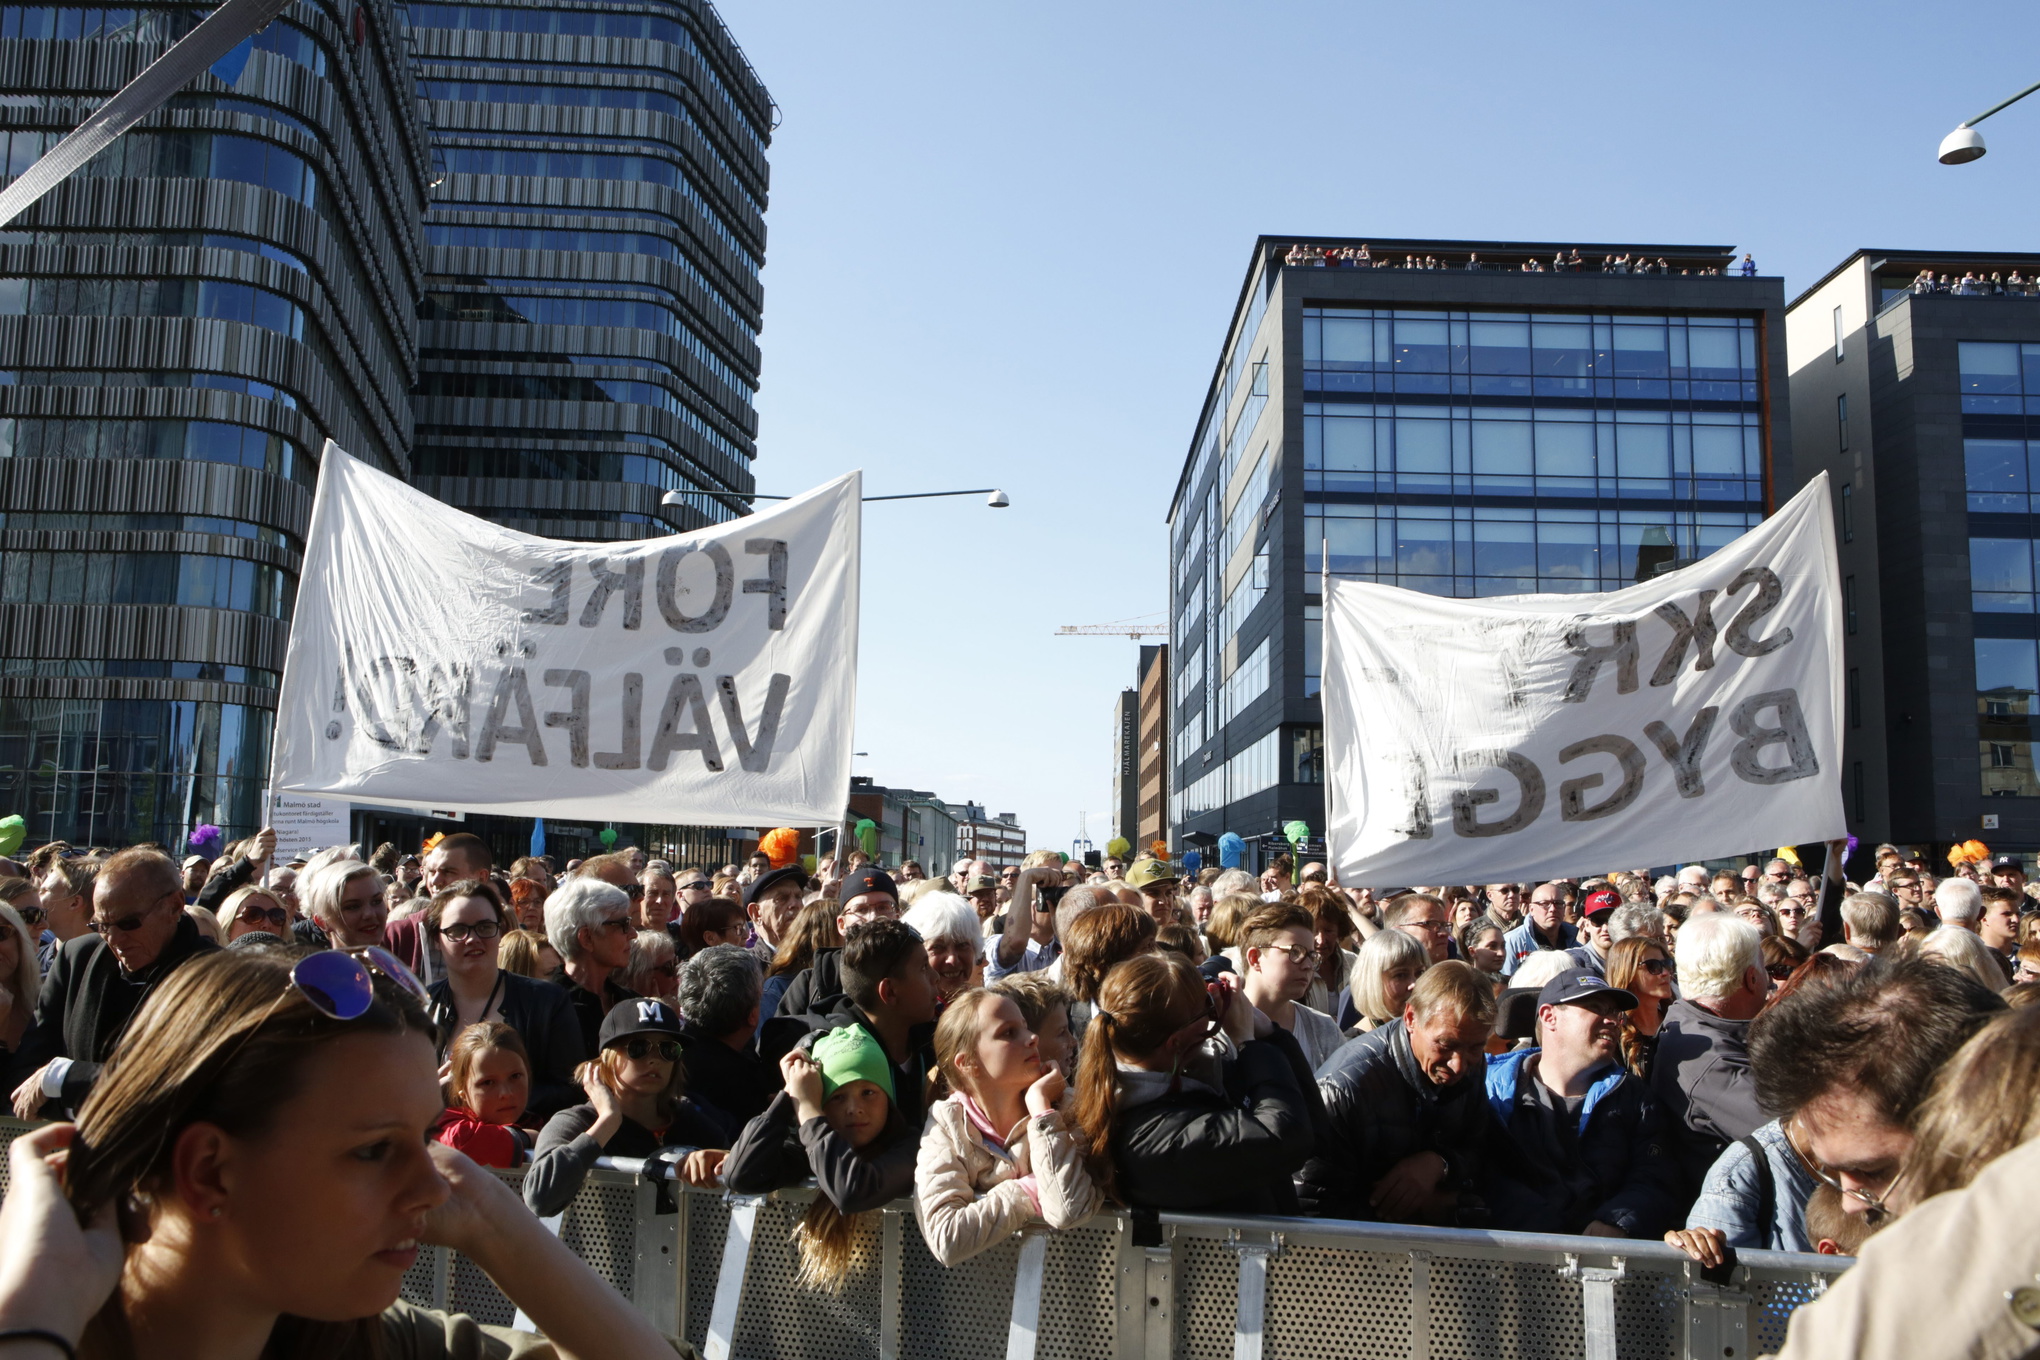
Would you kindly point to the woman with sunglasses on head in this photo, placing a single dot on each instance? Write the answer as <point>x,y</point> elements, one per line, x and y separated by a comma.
<point>466,922</point>
<point>637,1107</point>
<point>254,911</point>
<point>268,1107</point>
<point>1190,1099</point>
<point>1640,966</point>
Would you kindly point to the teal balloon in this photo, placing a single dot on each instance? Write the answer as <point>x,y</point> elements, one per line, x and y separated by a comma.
<point>1296,832</point>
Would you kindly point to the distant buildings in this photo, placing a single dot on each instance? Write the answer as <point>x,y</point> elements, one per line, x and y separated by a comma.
<point>1481,418</point>
<point>915,824</point>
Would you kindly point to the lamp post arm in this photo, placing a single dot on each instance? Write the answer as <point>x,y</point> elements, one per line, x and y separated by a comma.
<point>908,496</point>
<point>2001,105</point>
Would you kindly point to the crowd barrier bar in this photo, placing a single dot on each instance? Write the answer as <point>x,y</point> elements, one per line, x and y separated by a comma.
<point>718,1270</point>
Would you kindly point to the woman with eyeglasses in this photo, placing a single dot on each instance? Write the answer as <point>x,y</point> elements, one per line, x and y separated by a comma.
<point>1640,966</point>
<point>254,911</point>
<point>1279,944</point>
<point>637,1107</point>
<point>20,979</point>
<point>466,922</point>
<point>253,1177</point>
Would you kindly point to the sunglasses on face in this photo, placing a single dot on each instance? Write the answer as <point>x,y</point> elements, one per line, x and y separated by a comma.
<point>274,916</point>
<point>1656,967</point>
<point>460,932</point>
<point>701,885</point>
<point>31,916</point>
<point>640,1049</point>
<point>618,923</point>
<point>126,924</point>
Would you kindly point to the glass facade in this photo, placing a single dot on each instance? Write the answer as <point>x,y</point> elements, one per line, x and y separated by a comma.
<point>553,329</point>
<point>1488,453</point>
<point>2000,384</point>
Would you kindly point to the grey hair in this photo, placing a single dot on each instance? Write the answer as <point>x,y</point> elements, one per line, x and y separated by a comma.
<point>1716,951</point>
<point>1633,920</point>
<point>320,889</point>
<point>719,987</point>
<point>1234,881</point>
<point>583,900</point>
<point>945,916</point>
<point>1958,899</point>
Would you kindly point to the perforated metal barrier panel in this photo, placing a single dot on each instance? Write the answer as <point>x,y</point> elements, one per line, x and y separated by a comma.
<point>1200,1287</point>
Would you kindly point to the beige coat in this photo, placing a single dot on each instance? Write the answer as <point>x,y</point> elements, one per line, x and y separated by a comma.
<point>1959,1276</point>
<point>968,1198</point>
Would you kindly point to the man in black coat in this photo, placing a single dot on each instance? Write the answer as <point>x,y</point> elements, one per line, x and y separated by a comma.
<point>1577,1146</point>
<point>889,990</point>
<point>100,980</point>
<point>719,993</point>
<point>867,894</point>
<point>1701,1074</point>
<point>1405,1112</point>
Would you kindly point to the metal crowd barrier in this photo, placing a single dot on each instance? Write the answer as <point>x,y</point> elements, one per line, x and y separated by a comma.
<point>720,1271</point>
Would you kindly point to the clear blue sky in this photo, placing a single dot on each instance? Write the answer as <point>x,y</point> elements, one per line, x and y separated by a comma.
<point>1005,241</point>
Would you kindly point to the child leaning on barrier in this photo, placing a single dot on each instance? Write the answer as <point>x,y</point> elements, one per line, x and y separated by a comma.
<point>997,1153</point>
<point>836,1120</point>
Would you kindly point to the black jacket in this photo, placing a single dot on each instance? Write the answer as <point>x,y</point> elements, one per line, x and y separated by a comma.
<point>1381,1108</point>
<point>1701,1078</point>
<point>816,989</point>
<point>775,1151</point>
<point>223,884</point>
<point>87,1002</point>
<point>910,1078</point>
<point>1197,1149</point>
<point>1615,1166</point>
<point>736,1081</point>
<point>589,1008</point>
<point>544,1018</point>
<point>565,1154</point>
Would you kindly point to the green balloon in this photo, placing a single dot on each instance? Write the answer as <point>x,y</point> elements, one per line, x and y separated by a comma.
<point>607,837</point>
<point>12,832</point>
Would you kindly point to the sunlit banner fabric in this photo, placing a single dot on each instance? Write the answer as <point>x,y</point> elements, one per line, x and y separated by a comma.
<point>1694,715</point>
<point>706,679</point>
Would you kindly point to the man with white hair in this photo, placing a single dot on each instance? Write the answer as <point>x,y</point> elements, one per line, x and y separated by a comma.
<point>1959,902</point>
<point>588,922</point>
<point>1701,1074</point>
<point>1693,878</point>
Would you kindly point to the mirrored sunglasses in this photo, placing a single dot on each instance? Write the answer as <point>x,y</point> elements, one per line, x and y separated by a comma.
<point>337,983</point>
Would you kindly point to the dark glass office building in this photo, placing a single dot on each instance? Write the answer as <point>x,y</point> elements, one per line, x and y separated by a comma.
<point>1922,399</point>
<point>589,332</point>
<point>1460,430</point>
<point>508,251</point>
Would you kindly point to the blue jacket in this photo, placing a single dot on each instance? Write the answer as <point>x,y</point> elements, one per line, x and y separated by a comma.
<point>1522,942</point>
<point>1733,1197</point>
<point>1623,1175</point>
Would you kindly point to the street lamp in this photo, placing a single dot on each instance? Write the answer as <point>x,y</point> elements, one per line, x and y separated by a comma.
<point>1965,144</point>
<point>994,497</point>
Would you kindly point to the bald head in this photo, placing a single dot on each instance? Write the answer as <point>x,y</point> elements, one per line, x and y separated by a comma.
<point>1075,903</point>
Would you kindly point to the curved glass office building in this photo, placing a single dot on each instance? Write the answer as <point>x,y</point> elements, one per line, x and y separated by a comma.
<point>182,325</point>
<point>509,252</point>
<point>589,330</point>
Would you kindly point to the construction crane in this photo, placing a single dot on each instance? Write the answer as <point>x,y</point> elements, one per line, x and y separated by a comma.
<point>1142,627</point>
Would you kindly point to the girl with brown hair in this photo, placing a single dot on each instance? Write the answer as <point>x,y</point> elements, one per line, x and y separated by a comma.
<point>813,930</point>
<point>1092,945</point>
<point>1188,1097</point>
<point>255,1179</point>
<point>1640,966</point>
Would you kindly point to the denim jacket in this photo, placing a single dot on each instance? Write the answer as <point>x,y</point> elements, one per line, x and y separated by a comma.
<point>1731,1197</point>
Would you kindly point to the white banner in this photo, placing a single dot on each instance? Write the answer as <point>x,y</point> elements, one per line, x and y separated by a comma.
<point>1692,716</point>
<point>440,660</point>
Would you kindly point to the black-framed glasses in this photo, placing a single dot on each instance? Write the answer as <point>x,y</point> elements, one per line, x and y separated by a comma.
<point>640,1049</point>
<point>460,931</point>
<point>618,922</point>
<point>31,916</point>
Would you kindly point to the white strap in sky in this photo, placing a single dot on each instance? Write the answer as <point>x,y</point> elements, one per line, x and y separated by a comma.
<point>222,30</point>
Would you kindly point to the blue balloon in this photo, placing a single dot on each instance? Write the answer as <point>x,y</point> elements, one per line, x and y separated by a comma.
<point>1192,860</point>
<point>1231,849</point>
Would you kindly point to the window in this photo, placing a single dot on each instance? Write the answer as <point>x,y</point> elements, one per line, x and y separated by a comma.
<point>2000,755</point>
<point>1842,420</point>
<point>1855,696</point>
<point>1307,755</point>
<point>1849,603</point>
<point>1848,513</point>
<point>1838,335</point>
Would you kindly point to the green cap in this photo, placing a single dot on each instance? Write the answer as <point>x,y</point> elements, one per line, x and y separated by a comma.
<point>851,1054</point>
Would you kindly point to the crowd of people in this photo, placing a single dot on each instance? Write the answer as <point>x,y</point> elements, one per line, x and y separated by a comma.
<point>251,1062</point>
<point>1973,283</point>
<point>1562,262</point>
